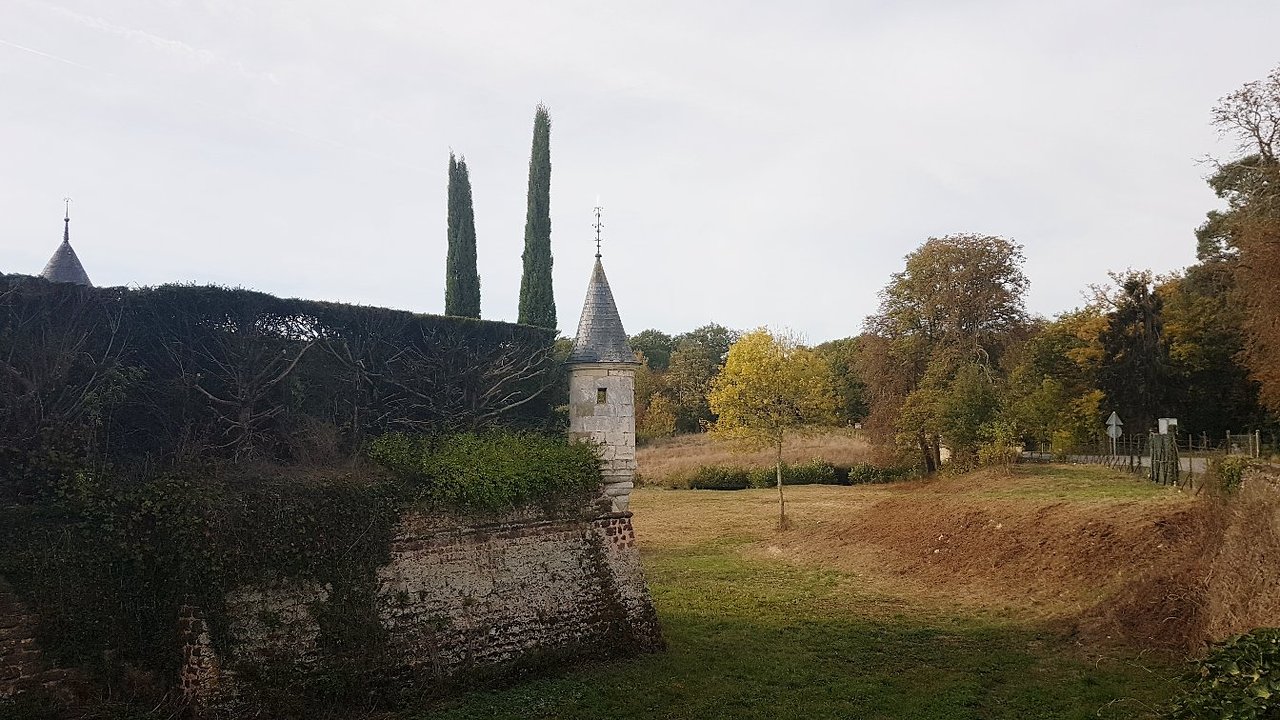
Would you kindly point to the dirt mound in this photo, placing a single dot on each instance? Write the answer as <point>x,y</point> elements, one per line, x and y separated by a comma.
<point>1157,569</point>
<point>1230,586</point>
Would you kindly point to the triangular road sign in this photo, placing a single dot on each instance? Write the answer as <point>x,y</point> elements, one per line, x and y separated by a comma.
<point>1114,419</point>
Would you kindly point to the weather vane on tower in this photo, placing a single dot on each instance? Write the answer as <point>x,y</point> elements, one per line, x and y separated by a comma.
<point>67,216</point>
<point>597,226</point>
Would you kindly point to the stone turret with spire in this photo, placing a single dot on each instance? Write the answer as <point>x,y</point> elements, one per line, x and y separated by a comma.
<point>64,266</point>
<point>602,386</point>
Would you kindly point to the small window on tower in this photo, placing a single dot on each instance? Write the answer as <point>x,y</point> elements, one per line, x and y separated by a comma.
<point>602,396</point>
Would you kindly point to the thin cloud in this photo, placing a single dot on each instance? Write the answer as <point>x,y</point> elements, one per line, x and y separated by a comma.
<point>176,48</point>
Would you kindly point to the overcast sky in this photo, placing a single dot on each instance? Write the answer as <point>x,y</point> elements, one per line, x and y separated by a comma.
<point>759,163</point>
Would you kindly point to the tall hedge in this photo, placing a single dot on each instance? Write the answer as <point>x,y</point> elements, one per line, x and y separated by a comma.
<point>208,372</point>
<point>537,301</point>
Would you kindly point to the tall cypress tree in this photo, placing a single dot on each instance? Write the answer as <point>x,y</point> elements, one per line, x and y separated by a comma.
<point>462,280</point>
<point>537,302</point>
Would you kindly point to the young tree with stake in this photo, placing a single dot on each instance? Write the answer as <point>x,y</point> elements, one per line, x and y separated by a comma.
<point>771,387</point>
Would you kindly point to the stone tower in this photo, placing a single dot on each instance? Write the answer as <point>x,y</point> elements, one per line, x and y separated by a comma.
<point>64,266</point>
<point>602,388</point>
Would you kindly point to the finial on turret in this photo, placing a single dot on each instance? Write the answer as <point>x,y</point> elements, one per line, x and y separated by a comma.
<point>64,266</point>
<point>597,226</point>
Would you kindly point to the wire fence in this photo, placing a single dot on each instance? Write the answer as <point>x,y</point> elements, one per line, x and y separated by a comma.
<point>1180,459</point>
<point>1170,459</point>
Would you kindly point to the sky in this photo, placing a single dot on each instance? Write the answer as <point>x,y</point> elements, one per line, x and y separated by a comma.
<point>759,163</point>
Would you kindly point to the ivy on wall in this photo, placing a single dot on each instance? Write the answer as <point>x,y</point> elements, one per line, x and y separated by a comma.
<point>106,560</point>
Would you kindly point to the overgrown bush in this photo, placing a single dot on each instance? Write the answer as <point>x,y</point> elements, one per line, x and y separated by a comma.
<point>1238,680</point>
<point>490,470</point>
<point>1062,445</point>
<point>1000,444</point>
<point>1229,472</point>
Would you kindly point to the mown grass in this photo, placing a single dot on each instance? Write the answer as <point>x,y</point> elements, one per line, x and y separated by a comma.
<point>754,638</point>
<point>1075,482</point>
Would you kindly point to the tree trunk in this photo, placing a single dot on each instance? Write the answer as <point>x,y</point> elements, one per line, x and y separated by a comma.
<point>937,451</point>
<point>926,453</point>
<point>782,500</point>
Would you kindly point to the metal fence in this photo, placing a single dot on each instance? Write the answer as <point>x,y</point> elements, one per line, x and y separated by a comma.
<point>1174,459</point>
<point>1164,459</point>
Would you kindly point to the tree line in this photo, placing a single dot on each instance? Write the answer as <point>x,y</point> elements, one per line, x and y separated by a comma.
<point>462,279</point>
<point>952,357</point>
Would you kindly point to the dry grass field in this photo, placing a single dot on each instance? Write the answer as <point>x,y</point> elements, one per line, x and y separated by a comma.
<point>1045,592</point>
<point>661,459</point>
<point>1043,544</point>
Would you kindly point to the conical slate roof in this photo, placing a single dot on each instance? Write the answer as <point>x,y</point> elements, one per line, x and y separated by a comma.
<point>601,338</point>
<point>64,266</point>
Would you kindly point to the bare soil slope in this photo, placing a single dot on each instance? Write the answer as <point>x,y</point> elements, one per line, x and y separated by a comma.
<point>1109,556</point>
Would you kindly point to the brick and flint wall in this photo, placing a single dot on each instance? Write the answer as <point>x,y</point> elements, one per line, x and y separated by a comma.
<point>458,596</point>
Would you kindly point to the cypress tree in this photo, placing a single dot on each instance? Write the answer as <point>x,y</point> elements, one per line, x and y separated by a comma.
<point>537,303</point>
<point>462,280</point>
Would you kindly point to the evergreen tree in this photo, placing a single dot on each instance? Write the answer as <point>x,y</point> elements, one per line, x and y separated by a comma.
<point>1134,370</point>
<point>462,280</point>
<point>537,303</point>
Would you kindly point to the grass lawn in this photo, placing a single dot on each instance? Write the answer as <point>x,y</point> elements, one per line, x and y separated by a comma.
<point>752,636</point>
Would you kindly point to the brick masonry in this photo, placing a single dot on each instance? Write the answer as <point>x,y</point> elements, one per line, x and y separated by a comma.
<point>456,597</point>
<point>23,667</point>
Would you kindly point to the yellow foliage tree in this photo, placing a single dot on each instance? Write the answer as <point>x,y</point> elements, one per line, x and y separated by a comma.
<point>771,387</point>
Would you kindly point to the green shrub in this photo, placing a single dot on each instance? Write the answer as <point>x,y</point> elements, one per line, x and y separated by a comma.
<point>1237,680</point>
<point>719,477</point>
<point>1062,445</point>
<point>490,470</point>
<point>814,472</point>
<point>1000,446</point>
<point>766,477</point>
<point>865,473</point>
<point>1230,472</point>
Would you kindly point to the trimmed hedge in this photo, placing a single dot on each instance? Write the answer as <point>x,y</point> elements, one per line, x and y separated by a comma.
<point>814,472</point>
<point>211,372</point>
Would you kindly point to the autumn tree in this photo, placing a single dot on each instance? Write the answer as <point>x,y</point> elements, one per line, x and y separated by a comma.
<point>771,387</point>
<point>462,279</point>
<point>958,302</point>
<point>1248,230</point>
<point>656,345</point>
<point>656,410</point>
<point>1204,329</point>
<point>842,357</point>
<point>698,356</point>
<point>1051,396</point>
